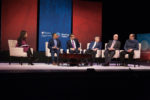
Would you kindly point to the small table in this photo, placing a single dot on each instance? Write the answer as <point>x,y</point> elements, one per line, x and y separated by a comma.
<point>75,58</point>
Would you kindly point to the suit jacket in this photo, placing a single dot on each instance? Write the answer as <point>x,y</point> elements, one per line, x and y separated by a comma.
<point>116,46</point>
<point>69,44</point>
<point>51,43</point>
<point>98,45</point>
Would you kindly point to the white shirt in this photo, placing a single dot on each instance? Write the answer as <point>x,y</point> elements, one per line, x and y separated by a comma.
<point>94,45</point>
<point>73,43</point>
<point>113,43</point>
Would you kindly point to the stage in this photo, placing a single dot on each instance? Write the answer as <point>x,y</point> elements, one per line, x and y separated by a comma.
<point>41,67</point>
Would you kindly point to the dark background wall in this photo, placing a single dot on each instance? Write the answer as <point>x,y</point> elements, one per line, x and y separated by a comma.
<point>0,24</point>
<point>123,17</point>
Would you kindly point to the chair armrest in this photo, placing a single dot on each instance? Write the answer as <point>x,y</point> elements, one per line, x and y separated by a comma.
<point>61,51</point>
<point>137,54</point>
<point>117,54</point>
<point>17,52</point>
<point>103,56</point>
<point>98,53</point>
<point>31,50</point>
<point>67,51</point>
<point>81,51</point>
<point>84,51</point>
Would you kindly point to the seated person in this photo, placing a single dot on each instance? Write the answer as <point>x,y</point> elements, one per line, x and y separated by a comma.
<point>23,43</point>
<point>129,47</point>
<point>110,49</point>
<point>94,46</point>
<point>54,45</point>
<point>73,45</point>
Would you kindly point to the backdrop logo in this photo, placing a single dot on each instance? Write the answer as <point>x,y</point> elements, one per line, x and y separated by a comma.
<point>64,35</point>
<point>46,34</point>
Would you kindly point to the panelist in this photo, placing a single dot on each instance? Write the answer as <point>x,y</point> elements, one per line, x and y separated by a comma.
<point>73,45</point>
<point>54,45</point>
<point>94,46</point>
<point>21,42</point>
<point>130,45</point>
<point>110,49</point>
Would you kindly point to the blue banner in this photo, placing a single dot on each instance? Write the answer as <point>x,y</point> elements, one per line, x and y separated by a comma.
<point>0,24</point>
<point>55,16</point>
<point>144,39</point>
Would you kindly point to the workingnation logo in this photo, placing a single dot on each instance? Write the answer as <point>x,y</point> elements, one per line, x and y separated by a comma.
<point>49,34</point>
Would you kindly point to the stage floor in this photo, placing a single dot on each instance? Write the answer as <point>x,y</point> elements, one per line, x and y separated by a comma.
<point>15,67</point>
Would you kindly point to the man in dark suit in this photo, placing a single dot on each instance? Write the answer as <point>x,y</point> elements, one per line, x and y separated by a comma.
<point>73,45</point>
<point>94,46</point>
<point>110,49</point>
<point>54,45</point>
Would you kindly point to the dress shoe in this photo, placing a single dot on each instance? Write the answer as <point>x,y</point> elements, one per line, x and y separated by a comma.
<point>124,64</point>
<point>53,63</point>
<point>86,64</point>
<point>30,64</point>
<point>106,64</point>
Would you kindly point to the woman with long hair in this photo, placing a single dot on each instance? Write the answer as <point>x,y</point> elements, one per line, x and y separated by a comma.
<point>22,43</point>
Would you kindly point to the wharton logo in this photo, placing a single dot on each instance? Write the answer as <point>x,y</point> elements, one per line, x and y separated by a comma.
<point>49,34</point>
<point>46,34</point>
<point>64,35</point>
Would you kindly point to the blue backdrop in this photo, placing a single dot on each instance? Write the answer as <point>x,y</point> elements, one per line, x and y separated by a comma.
<point>144,39</point>
<point>0,24</point>
<point>54,16</point>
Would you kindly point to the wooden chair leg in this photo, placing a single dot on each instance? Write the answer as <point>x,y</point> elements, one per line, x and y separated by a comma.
<point>10,60</point>
<point>97,61</point>
<point>21,61</point>
<point>134,62</point>
<point>68,62</point>
<point>139,62</point>
<point>116,61</point>
<point>48,61</point>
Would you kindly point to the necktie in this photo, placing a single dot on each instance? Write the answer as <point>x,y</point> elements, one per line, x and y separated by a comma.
<point>73,44</point>
<point>94,45</point>
<point>112,44</point>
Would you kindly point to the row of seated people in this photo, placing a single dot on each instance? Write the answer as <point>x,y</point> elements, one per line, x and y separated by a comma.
<point>73,46</point>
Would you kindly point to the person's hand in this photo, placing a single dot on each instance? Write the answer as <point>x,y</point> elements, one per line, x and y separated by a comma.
<point>57,48</point>
<point>130,50</point>
<point>72,49</point>
<point>111,49</point>
<point>79,49</point>
<point>95,49</point>
<point>54,47</point>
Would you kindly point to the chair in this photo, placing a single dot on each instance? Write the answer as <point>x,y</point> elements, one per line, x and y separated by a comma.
<point>98,53</point>
<point>47,51</point>
<point>16,51</point>
<point>136,57</point>
<point>116,56</point>
<point>80,49</point>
